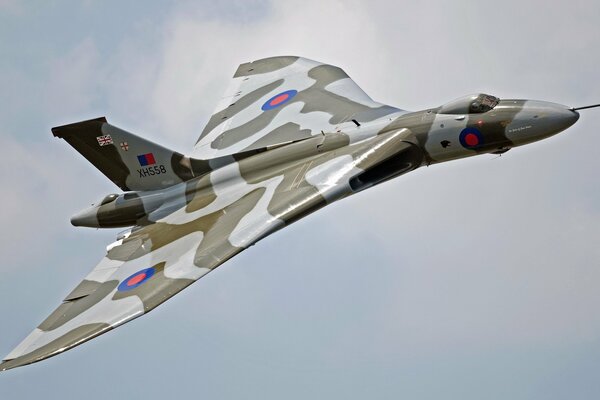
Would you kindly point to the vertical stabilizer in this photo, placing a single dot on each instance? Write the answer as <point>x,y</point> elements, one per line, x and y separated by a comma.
<point>131,162</point>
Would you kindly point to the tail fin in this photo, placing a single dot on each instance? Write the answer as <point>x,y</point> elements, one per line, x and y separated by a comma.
<point>131,162</point>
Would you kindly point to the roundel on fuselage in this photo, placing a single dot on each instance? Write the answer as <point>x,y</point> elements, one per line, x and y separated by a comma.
<point>471,138</point>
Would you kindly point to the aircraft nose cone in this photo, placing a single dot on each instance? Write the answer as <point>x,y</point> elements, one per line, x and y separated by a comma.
<point>564,117</point>
<point>550,118</point>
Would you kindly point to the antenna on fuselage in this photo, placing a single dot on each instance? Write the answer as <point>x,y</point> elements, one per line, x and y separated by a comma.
<point>584,107</point>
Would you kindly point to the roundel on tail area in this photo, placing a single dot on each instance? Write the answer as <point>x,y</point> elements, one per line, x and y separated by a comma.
<point>471,138</point>
<point>279,99</point>
<point>136,279</point>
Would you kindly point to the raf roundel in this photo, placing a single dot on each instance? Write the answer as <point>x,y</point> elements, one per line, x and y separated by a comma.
<point>471,138</point>
<point>136,279</point>
<point>279,99</point>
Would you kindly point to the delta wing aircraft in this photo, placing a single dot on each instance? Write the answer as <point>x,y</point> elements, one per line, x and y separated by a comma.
<point>290,136</point>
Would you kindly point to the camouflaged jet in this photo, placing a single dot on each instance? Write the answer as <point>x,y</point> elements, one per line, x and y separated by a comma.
<point>290,136</point>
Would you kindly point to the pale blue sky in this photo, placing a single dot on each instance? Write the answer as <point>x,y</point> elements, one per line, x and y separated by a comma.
<point>473,279</point>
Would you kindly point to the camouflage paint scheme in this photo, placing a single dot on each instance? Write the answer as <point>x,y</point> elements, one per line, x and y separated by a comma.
<point>290,136</point>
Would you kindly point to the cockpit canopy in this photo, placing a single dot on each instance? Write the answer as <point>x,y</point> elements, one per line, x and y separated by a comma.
<point>106,199</point>
<point>472,104</point>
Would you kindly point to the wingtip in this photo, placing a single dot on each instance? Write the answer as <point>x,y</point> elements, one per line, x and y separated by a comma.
<point>57,346</point>
<point>22,360</point>
<point>10,364</point>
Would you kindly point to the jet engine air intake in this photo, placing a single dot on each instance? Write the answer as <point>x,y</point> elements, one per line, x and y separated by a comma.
<point>401,163</point>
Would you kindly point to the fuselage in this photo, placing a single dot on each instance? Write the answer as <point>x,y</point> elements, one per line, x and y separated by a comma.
<point>509,124</point>
<point>382,149</point>
<point>454,131</point>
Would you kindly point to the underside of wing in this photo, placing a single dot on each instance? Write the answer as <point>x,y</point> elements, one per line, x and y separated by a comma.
<point>284,99</point>
<point>225,212</point>
<point>137,274</point>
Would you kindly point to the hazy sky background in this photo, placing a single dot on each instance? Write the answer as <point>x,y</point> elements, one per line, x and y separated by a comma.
<point>473,279</point>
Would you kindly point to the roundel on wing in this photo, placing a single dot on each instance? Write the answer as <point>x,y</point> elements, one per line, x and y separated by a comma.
<point>279,99</point>
<point>136,279</point>
<point>471,138</point>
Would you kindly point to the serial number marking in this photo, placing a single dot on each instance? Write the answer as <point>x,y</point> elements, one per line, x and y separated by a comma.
<point>150,171</point>
<point>519,129</point>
